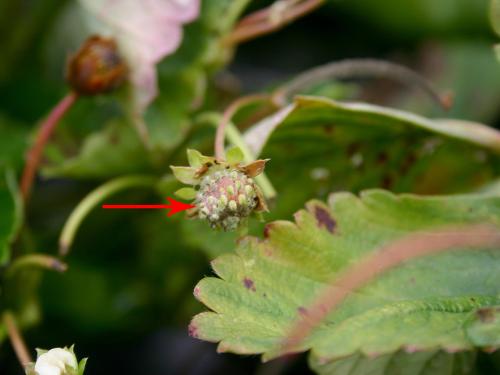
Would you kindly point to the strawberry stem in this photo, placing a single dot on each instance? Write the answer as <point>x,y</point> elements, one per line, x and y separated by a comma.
<point>270,19</point>
<point>45,131</point>
<point>16,339</point>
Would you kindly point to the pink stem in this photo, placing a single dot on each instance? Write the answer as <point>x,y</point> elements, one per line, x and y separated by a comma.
<point>35,153</point>
<point>226,117</point>
<point>260,23</point>
<point>16,339</point>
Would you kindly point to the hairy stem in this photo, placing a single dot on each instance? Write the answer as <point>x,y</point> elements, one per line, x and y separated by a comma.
<point>228,114</point>
<point>16,339</point>
<point>36,260</point>
<point>413,246</point>
<point>271,19</point>
<point>35,153</point>
<point>93,199</point>
<point>360,68</point>
<point>234,136</point>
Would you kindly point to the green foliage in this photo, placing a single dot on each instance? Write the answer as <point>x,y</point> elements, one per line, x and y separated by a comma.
<point>423,305</point>
<point>323,145</point>
<point>11,214</point>
<point>131,273</point>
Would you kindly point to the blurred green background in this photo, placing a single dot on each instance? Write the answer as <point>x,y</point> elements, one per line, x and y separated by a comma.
<point>127,298</point>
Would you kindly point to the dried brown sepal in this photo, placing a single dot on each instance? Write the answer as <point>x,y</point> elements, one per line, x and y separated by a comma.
<point>261,202</point>
<point>96,67</point>
<point>254,168</point>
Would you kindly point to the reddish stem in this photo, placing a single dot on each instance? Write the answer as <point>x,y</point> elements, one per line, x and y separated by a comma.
<point>261,22</point>
<point>226,117</point>
<point>410,247</point>
<point>16,339</point>
<point>35,153</point>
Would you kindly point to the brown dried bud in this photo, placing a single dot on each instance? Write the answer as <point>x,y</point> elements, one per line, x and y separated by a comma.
<point>96,68</point>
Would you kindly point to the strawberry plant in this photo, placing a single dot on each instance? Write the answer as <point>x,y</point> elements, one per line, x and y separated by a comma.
<point>269,187</point>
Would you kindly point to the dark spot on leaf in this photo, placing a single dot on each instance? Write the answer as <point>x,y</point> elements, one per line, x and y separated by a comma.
<point>249,284</point>
<point>192,330</point>
<point>387,181</point>
<point>472,299</point>
<point>114,138</point>
<point>408,163</point>
<point>267,230</point>
<point>302,310</point>
<point>382,157</point>
<point>353,148</point>
<point>324,219</point>
<point>328,129</point>
<point>486,315</point>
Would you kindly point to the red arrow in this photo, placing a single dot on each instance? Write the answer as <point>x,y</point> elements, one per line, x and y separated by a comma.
<point>174,206</point>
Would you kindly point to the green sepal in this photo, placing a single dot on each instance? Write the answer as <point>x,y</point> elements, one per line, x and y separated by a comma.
<point>81,366</point>
<point>234,155</point>
<point>186,193</point>
<point>186,175</point>
<point>195,158</point>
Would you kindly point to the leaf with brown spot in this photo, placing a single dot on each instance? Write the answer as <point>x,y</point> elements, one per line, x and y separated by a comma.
<point>419,306</point>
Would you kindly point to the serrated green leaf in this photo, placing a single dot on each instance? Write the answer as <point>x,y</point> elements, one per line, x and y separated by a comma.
<point>186,175</point>
<point>186,193</point>
<point>10,213</point>
<point>323,145</point>
<point>234,155</point>
<point>423,305</point>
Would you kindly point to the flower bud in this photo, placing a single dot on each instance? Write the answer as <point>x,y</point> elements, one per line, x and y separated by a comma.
<point>96,68</point>
<point>57,361</point>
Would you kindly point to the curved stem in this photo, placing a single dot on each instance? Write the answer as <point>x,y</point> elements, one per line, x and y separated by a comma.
<point>413,246</point>
<point>36,151</point>
<point>234,136</point>
<point>236,139</point>
<point>360,68</point>
<point>92,200</point>
<point>228,114</point>
<point>37,260</point>
<point>16,339</point>
<point>267,20</point>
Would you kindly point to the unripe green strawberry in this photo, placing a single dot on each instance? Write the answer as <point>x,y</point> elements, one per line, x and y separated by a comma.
<point>224,192</point>
<point>225,198</point>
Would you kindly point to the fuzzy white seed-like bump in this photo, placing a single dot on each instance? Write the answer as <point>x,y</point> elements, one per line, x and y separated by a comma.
<point>230,190</point>
<point>232,205</point>
<point>248,189</point>
<point>242,200</point>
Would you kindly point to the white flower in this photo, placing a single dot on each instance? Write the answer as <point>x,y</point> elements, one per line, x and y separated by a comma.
<point>57,361</point>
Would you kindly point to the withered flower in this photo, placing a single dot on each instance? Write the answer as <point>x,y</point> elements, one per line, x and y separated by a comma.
<point>96,67</point>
